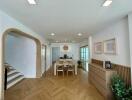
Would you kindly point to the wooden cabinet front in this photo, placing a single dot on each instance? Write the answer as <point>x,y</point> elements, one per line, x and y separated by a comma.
<point>100,78</point>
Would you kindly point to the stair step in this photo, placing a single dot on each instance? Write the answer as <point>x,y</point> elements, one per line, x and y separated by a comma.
<point>11,71</point>
<point>6,64</point>
<point>12,76</point>
<point>15,81</point>
<point>8,67</point>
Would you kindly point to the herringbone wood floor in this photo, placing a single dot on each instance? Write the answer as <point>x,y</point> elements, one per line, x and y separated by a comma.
<point>54,88</point>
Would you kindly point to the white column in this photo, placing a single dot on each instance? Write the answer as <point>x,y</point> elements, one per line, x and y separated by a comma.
<point>130,39</point>
<point>90,47</point>
<point>55,69</point>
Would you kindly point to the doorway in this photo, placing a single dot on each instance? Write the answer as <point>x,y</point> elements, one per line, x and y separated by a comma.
<point>55,54</point>
<point>84,57</point>
<point>38,55</point>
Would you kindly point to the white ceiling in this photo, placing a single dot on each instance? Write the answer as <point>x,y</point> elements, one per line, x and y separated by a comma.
<point>66,18</point>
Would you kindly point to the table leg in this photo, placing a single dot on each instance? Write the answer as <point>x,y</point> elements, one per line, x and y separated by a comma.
<point>55,69</point>
<point>75,69</point>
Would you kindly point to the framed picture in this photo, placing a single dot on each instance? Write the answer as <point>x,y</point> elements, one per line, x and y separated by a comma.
<point>110,46</point>
<point>98,47</point>
<point>65,48</point>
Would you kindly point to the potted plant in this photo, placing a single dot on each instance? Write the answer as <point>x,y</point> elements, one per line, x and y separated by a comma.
<point>119,89</point>
<point>129,93</point>
<point>79,64</point>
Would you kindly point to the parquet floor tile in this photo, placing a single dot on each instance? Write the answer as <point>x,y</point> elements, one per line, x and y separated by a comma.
<point>54,88</point>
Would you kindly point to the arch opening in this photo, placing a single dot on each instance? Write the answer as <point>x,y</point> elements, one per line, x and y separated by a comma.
<point>38,53</point>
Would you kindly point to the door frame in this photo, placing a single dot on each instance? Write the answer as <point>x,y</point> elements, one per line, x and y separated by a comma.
<point>45,59</point>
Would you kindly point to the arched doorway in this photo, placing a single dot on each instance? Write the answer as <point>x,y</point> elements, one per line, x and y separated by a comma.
<point>38,53</point>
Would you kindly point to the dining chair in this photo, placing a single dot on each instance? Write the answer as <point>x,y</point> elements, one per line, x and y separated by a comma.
<point>70,68</point>
<point>60,67</point>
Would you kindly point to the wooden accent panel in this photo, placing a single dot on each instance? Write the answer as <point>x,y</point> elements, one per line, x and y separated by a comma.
<point>124,72</point>
<point>100,78</point>
<point>98,62</point>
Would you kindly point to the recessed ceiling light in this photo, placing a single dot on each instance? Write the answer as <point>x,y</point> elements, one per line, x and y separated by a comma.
<point>73,41</point>
<point>107,3</point>
<point>52,34</point>
<point>65,40</point>
<point>79,34</point>
<point>32,2</point>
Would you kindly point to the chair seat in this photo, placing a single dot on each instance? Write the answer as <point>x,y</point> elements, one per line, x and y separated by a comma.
<point>60,70</point>
<point>70,70</point>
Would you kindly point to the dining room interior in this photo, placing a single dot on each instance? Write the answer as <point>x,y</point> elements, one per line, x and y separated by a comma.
<point>66,50</point>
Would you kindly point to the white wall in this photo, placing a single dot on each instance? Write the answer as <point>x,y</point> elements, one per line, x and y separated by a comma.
<point>20,52</point>
<point>130,39</point>
<point>119,31</point>
<point>73,49</point>
<point>48,57</point>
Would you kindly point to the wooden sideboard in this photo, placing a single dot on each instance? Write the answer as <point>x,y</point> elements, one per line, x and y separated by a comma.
<point>100,78</point>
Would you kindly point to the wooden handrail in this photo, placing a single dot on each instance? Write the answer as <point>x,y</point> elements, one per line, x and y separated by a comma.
<point>5,85</point>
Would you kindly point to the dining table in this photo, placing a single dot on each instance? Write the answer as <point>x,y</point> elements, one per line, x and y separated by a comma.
<point>65,64</point>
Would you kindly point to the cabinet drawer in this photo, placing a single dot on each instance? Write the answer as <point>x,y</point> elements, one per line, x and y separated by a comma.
<point>100,88</point>
<point>98,80</point>
<point>99,73</point>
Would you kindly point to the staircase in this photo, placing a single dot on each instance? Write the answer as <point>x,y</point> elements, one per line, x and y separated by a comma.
<point>12,76</point>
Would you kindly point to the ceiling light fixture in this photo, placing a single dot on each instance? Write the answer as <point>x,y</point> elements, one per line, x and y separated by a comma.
<point>32,2</point>
<point>79,34</point>
<point>107,3</point>
<point>52,34</point>
<point>73,41</point>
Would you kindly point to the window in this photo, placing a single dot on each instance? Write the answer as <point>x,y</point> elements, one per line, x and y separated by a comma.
<point>84,57</point>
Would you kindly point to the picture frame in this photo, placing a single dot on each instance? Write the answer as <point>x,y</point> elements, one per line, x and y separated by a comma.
<point>110,46</point>
<point>98,48</point>
<point>65,48</point>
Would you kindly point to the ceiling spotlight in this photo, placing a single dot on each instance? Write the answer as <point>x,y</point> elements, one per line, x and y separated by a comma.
<point>73,41</point>
<point>79,34</point>
<point>32,2</point>
<point>52,34</point>
<point>107,3</point>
